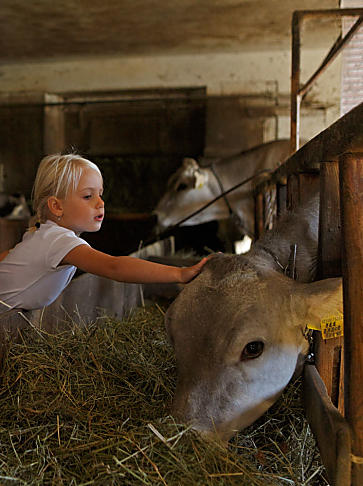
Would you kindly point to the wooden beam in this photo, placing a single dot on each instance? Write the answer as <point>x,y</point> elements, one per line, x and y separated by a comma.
<point>351,188</point>
<point>300,187</point>
<point>329,427</point>
<point>330,353</point>
<point>330,245</point>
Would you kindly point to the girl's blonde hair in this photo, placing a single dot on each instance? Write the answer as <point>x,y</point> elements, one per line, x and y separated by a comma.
<point>57,175</point>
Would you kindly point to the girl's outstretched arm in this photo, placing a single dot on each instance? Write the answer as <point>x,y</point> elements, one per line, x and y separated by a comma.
<point>129,269</point>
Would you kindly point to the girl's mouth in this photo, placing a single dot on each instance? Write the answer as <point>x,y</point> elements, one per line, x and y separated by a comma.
<point>99,217</point>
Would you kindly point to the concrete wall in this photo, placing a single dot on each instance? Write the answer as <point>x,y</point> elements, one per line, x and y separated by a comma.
<point>264,74</point>
<point>248,97</point>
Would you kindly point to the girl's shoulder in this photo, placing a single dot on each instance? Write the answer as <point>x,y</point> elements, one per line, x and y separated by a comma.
<point>44,237</point>
<point>50,229</point>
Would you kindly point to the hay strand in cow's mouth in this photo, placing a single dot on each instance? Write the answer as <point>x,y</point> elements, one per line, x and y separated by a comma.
<point>91,406</point>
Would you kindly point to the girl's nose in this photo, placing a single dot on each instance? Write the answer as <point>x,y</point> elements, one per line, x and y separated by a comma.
<point>100,202</point>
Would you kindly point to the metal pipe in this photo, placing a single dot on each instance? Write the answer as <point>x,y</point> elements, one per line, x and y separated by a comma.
<point>335,50</point>
<point>297,93</point>
<point>295,80</point>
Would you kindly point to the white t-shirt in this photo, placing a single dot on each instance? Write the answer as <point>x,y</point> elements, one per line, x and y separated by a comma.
<point>30,275</point>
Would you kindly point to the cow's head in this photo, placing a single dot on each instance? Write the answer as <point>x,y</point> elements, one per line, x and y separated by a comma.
<point>238,336</point>
<point>189,188</point>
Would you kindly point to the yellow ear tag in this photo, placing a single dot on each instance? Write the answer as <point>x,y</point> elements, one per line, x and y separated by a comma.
<point>330,327</point>
<point>200,185</point>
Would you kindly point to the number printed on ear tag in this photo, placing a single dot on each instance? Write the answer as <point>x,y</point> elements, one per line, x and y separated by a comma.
<point>332,327</point>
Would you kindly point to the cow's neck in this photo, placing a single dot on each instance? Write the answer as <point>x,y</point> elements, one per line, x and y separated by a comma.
<point>229,172</point>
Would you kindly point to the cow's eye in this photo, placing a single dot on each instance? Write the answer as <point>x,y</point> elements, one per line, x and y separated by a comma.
<point>181,187</point>
<point>252,350</point>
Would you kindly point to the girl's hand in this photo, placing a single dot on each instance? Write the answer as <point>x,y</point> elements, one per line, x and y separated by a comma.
<point>188,273</point>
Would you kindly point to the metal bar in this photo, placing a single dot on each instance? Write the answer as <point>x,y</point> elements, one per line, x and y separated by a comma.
<point>333,12</point>
<point>334,51</point>
<point>295,82</point>
<point>296,93</point>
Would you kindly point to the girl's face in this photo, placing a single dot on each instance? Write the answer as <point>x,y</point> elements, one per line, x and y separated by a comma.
<point>83,209</point>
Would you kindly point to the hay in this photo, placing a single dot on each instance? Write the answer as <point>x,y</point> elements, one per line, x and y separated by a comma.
<point>89,406</point>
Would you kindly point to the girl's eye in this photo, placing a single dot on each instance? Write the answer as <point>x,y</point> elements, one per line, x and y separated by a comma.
<point>88,196</point>
<point>252,350</point>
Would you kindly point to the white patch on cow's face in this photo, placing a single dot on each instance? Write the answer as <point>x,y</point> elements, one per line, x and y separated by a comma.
<point>233,392</point>
<point>242,395</point>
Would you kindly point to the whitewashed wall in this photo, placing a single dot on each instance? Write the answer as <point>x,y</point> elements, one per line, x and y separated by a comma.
<point>247,73</point>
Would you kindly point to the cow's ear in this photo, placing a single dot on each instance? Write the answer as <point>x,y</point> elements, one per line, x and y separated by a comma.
<point>190,164</point>
<point>199,179</point>
<point>320,300</point>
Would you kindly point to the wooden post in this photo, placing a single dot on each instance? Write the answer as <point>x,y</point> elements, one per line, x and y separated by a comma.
<point>281,199</point>
<point>54,130</point>
<point>330,227</point>
<point>300,187</point>
<point>259,213</point>
<point>329,353</point>
<point>351,187</point>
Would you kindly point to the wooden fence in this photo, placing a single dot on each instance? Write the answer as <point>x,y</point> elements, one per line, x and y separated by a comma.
<point>333,163</point>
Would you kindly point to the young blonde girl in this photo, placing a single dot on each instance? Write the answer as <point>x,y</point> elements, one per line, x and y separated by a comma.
<point>67,201</point>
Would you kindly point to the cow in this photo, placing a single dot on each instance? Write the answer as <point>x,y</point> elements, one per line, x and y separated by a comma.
<point>239,329</point>
<point>193,185</point>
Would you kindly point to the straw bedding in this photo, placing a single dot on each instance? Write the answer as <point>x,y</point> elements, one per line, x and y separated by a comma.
<point>89,406</point>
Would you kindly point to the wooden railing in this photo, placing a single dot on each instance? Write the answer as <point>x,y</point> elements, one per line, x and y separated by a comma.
<point>338,153</point>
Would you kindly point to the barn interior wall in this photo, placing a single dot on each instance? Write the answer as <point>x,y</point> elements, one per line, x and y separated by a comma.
<point>248,97</point>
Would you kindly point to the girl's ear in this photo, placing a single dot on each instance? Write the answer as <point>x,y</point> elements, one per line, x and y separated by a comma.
<point>55,206</point>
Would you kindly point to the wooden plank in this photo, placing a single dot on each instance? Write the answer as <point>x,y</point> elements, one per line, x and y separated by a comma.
<point>329,353</point>
<point>329,427</point>
<point>54,125</point>
<point>329,225</point>
<point>281,199</point>
<point>300,187</point>
<point>351,186</point>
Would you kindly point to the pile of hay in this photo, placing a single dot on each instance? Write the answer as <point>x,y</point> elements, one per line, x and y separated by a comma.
<point>89,406</point>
